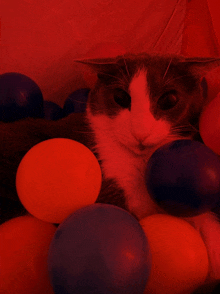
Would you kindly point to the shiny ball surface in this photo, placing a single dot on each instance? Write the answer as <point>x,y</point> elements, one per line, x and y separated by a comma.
<point>20,97</point>
<point>209,125</point>
<point>24,249</point>
<point>57,177</point>
<point>179,256</point>
<point>100,248</point>
<point>183,177</point>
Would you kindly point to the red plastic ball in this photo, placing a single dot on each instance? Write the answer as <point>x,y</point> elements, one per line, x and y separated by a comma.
<point>179,256</point>
<point>24,248</point>
<point>57,177</point>
<point>209,125</point>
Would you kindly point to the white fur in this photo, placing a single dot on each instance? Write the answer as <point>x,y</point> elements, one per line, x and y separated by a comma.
<point>117,144</point>
<point>143,125</point>
<point>140,115</point>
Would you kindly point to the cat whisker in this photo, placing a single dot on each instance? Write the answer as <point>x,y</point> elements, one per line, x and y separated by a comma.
<point>167,68</point>
<point>124,79</point>
<point>172,136</point>
<point>119,83</point>
<point>106,74</point>
<point>189,127</point>
<point>181,131</point>
<point>174,79</point>
<point>126,67</point>
<point>184,132</point>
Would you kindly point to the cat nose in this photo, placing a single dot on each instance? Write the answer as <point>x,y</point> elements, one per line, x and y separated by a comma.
<point>141,137</point>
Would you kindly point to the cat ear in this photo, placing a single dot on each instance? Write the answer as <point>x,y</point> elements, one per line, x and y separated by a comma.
<point>201,60</point>
<point>202,64</point>
<point>207,70</point>
<point>105,68</point>
<point>99,63</point>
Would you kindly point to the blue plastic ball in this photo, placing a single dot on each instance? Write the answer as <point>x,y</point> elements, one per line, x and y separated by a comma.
<point>52,111</point>
<point>76,102</point>
<point>183,177</point>
<point>99,249</point>
<point>20,97</point>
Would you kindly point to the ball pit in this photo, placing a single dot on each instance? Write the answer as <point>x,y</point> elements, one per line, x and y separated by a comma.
<point>57,177</point>
<point>21,97</point>
<point>179,261</point>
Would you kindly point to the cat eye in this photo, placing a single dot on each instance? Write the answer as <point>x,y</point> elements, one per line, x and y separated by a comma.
<point>122,98</point>
<point>168,100</point>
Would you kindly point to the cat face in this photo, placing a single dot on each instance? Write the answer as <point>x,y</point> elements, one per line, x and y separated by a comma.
<point>142,101</point>
<point>138,104</point>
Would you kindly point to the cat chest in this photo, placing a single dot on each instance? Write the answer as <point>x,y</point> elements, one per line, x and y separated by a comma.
<point>128,172</point>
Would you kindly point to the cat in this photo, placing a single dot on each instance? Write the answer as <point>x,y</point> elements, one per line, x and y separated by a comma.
<point>139,103</point>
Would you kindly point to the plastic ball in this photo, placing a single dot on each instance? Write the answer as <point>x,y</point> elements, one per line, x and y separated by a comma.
<point>209,125</point>
<point>52,111</point>
<point>24,249</point>
<point>212,79</point>
<point>179,256</point>
<point>57,177</point>
<point>100,248</point>
<point>20,97</point>
<point>183,178</point>
<point>76,102</point>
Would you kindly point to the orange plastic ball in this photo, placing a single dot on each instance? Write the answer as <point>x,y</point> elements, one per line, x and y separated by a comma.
<point>57,177</point>
<point>179,256</point>
<point>24,249</point>
<point>209,125</point>
<point>212,79</point>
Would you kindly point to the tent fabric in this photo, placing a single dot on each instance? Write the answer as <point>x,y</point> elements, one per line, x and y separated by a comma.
<point>42,38</point>
<point>199,33</point>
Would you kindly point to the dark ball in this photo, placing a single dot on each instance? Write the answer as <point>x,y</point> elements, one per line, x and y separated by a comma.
<point>52,111</point>
<point>102,249</point>
<point>20,97</point>
<point>76,102</point>
<point>183,177</point>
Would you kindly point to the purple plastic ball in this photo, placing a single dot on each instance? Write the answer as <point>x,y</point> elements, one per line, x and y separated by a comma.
<point>76,102</point>
<point>52,111</point>
<point>99,249</point>
<point>183,177</point>
<point>20,97</point>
